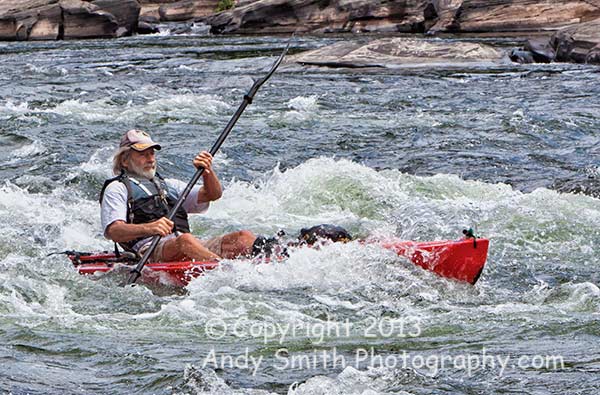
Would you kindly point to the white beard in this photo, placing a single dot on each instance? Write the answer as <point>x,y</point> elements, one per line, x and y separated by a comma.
<point>140,172</point>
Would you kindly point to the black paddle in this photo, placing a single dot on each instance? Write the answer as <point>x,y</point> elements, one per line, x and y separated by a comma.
<point>135,273</point>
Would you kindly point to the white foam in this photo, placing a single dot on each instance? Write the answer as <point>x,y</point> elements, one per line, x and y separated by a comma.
<point>350,382</point>
<point>11,108</point>
<point>51,218</point>
<point>574,297</point>
<point>305,104</point>
<point>301,109</point>
<point>27,151</point>
<point>100,163</point>
<point>345,278</point>
<point>179,106</point>
<point>49,71</point>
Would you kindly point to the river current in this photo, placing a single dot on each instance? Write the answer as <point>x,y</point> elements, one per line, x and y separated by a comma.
<point>416,153</point>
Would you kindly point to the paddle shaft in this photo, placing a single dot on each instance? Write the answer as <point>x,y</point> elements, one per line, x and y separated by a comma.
<point>136,272</point>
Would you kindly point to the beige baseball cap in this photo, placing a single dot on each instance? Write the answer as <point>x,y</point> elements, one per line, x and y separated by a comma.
<point>138,140</point>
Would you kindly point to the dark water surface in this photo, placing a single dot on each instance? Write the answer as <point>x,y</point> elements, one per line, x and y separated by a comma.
<point>414,153</point>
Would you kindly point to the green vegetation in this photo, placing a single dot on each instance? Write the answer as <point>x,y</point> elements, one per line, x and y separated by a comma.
<point>223,5</point>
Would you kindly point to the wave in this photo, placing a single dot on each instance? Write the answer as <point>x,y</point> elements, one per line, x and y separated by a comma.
<point>533,236</point>
<point>176,108</point>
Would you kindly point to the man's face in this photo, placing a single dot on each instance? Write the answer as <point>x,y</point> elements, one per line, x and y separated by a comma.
<point>142,163</point>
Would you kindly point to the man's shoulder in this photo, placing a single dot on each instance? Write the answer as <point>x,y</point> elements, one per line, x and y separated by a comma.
<point>115,188</point>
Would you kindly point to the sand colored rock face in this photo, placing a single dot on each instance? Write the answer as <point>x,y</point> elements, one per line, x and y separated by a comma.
<point>393,52</point>
<point>278,16</point>
<point>67,19</point>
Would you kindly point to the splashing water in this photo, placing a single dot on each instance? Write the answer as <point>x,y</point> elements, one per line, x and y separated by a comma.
<point>380,154</point>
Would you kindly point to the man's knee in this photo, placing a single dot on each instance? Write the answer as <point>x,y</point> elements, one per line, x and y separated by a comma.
<point>244,237</point>
<point>237,243</point>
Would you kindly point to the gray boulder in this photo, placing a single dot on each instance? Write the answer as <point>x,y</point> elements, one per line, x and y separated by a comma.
<point>126,12</point>
<point>594,55</point>
<point>400,52</point>
<point>541,50</point>
<point>579,43</point>
<point>519,55</point>
<point>147,28</point>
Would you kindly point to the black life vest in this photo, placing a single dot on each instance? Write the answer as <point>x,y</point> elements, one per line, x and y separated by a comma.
<point>147,201</point>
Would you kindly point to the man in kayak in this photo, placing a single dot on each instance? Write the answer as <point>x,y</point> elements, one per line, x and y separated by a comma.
<point>135,204</point>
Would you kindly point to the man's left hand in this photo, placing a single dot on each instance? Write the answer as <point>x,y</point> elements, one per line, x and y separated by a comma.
<point>204,159</point>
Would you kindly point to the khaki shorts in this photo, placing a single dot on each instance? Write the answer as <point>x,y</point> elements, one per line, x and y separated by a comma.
<point>214,245</point>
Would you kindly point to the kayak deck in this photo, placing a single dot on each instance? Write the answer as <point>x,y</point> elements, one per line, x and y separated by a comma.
<point>461,260</point>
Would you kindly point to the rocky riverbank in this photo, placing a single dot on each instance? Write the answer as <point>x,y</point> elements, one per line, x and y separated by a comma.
<point>570,29</point>
<point>67,19</point>
<point>408,16</point>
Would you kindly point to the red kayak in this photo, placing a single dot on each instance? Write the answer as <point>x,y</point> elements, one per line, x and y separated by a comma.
<point>461,260</point>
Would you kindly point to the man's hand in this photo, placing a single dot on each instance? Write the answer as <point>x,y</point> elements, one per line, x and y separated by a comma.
<point>211,190</point>
<point>204,159</point>
<point>161,227</point>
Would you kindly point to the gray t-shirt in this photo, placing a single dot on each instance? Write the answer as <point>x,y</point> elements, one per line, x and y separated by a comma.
<point>114,204</point>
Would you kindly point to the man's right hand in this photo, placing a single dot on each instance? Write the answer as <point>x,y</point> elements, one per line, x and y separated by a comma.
<point>162,227</point>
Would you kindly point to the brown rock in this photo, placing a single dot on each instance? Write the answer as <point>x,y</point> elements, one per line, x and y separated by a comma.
<point>507,15</point>
<point>8,28</point>
<point>394,52</point>
<point>594,55</point>
<point>444,14</point>
<point>19,18</point>
<point>523,15</point>
<point>541,50</point>
<point>521,56</point>
<point>57,19</point>
<point>286,16</point>
<point>146,28</point>
<point>24,26</point>
<point>85,20</point>
<point>48,24</point>
<point>187,10</point>
<point>125,11</point>
<point>579,43</point>
<point>149,13</point>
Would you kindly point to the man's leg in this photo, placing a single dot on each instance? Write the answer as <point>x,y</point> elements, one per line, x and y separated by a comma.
<point>185,247</point>
<point>232,245</point>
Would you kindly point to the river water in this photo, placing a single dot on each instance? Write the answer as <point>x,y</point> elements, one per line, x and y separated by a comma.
<point>419,153</point>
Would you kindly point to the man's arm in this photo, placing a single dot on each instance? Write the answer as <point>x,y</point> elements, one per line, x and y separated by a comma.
<point>120,231</point>
<point>114,218</point>
<point>211,190</point>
